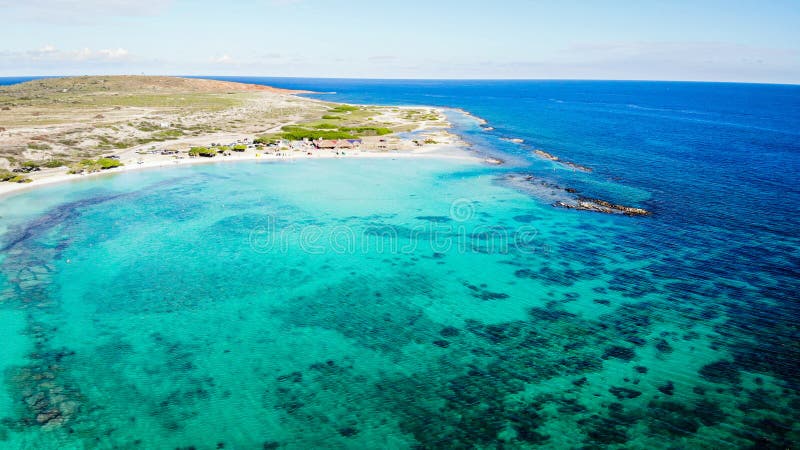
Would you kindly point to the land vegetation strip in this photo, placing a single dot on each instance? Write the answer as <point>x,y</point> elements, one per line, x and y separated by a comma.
<point>77,123</point>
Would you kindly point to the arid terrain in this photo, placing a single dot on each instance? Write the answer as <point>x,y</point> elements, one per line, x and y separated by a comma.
<point>57,122</point>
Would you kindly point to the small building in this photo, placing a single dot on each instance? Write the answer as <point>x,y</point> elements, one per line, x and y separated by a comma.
<point>325,144</point>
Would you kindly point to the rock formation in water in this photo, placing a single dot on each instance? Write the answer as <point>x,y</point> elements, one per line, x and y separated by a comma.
<point>597,205</point>
<point>565,197</point>
<point>550,157</point>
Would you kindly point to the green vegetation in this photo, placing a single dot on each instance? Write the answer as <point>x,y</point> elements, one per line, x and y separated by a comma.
<point>106,144</point>
<point>266,140</point>
<point>94,165</point>
<point>298,133</point>
<point>202,151</point>
<point>418,115</point>
<point>343,108</point>
<point>6,175</point>
<point>147,126</point>
<point>29,166</point>
<point>430,141</point>
<point>331,117</point>
<point>202,101</point>
<point>158,136</point>
<point>11,177</point>
<point>222,149</point>
<point>325,126</point>
<point>239,148</point>
<point>164,135</point>
<point>38,146</point>
<point>368,131</point>
<point>53,163</point>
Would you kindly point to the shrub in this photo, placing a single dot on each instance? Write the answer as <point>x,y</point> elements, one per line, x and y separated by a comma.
<point>76,168</point>
<point>202,151</point>
<point>239,148</point>
<point>301,134</point>
<point>20,179</point>
<point>322,131</point>
<point>6,175</point>
<point>108,163</point>
<point>30,164</point>
<point>266,140</point>
<point>343,108</point>
<point>50,164</point>
<point>369,131</point>
<point>38,146</point>
<point>167,134</point>
<point>94,165</point>
<point>331,117</point>
<point>147,126</point>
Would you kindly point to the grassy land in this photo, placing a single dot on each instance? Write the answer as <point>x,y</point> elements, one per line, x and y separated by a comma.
<point>338,122</point>
<point>83,118</point>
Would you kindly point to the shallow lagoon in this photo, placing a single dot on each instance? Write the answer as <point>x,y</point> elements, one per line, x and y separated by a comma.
<point>353,303</point>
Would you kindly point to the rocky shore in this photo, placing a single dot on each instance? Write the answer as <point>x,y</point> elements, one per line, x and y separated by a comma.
<point>567,197</point>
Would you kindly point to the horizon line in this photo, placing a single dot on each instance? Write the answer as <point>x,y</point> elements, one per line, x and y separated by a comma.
<point>639,80</point>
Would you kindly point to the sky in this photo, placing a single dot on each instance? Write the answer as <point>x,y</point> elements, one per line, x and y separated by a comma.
<point>741,40</point>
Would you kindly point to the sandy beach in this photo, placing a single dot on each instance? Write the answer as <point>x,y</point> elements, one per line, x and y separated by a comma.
<point>135,119</point>
<point>54,176</point>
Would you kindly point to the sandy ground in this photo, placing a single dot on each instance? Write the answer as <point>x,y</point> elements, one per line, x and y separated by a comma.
<point>449,150</point>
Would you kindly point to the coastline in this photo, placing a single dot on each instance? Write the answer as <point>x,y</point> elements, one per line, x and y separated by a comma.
<point>51,177</point>
<point>416,120</point>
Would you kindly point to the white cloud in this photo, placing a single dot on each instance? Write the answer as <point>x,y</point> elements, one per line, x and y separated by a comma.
<point>49,53</point>
<point>113,53</point>
<point>224,59</point>
<point>47,49</point>
<point>79,12</point>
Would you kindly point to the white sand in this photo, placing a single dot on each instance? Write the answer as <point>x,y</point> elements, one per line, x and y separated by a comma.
<point>133,161</point>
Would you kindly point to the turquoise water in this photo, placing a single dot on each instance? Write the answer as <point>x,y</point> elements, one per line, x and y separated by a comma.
<point>407,303</point>
<point>343,303</point>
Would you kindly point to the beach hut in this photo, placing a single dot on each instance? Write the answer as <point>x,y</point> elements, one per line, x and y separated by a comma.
<point>325,144</point>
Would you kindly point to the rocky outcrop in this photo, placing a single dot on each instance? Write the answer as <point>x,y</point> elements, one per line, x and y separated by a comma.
<point>550,157</point>
<point>566,197</point>
<point>602,206</point>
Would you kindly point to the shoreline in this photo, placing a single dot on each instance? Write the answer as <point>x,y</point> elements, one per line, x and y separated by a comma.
<point>141,157</point>
<point>455,151</point>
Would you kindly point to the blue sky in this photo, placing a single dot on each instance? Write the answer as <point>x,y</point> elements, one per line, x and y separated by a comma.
<point>740,40</point>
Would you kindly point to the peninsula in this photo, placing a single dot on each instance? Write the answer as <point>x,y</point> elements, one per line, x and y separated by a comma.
<point>58,129</point>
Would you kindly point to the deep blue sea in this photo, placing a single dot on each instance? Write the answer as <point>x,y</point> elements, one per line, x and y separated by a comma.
<point>676,330</point>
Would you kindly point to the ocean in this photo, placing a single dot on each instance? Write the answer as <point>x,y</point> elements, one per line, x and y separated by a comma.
<point>426,303</point>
